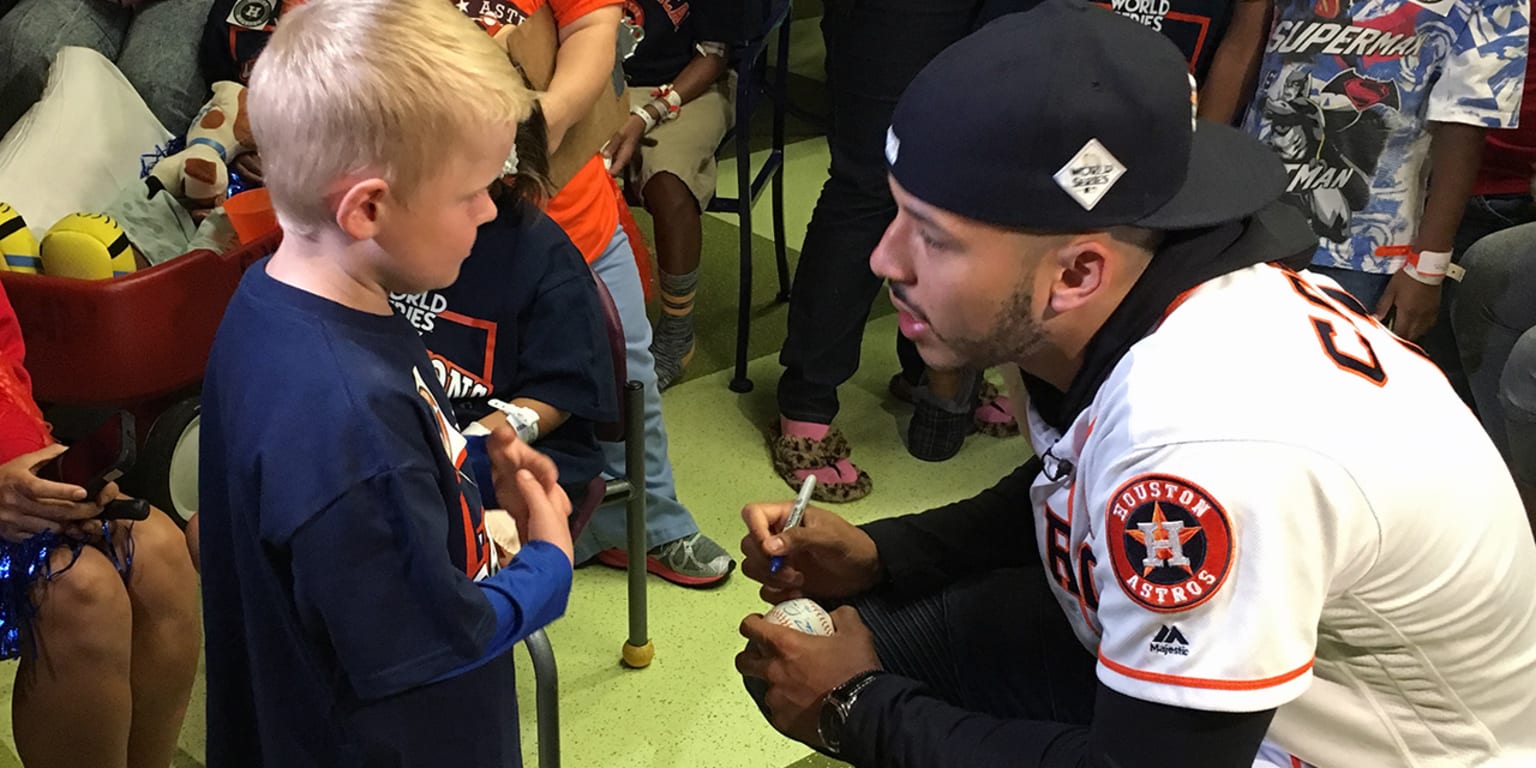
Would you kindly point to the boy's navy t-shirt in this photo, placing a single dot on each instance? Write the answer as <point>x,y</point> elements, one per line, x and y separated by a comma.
<point>523,320</point>
<point>339,540</point>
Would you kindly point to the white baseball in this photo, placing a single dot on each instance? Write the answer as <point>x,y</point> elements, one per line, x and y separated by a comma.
<point>803,615</point>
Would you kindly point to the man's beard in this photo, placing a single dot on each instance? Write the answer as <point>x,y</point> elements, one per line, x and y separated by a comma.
<point>1015,334</point>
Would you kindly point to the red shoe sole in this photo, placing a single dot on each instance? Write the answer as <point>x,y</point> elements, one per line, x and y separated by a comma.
<point>618,558</point>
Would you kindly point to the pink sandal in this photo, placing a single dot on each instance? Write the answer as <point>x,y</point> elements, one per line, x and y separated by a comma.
<point>795,456</point>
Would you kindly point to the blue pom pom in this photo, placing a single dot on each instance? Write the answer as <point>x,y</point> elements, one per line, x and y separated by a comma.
<point>237,183</point>
<point>23,563</point>
<point>148,160</point>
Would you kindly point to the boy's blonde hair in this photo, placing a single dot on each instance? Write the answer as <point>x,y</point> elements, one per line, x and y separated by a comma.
<point>383,86</point>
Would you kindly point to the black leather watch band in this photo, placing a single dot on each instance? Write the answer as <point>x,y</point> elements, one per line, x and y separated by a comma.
<point>833,721</point>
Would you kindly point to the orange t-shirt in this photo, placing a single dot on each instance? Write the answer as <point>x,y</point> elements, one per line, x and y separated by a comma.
<point>587,207</point>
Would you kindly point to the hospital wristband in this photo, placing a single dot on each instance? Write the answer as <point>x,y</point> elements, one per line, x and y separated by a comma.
<point>524,421</point>
<point>666,101</point>
<point>645,116</point>
<point>1428,267</point>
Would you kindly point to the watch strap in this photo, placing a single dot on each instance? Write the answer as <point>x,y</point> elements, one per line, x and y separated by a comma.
<point>836,706</point>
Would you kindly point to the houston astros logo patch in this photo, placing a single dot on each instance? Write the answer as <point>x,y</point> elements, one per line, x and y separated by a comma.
<point>1170,542</point>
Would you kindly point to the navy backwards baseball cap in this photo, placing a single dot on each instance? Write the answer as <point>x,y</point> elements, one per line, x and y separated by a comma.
<point>1071,118</point>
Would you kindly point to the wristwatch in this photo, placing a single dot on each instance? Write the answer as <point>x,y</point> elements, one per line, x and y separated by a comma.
<point>835,707</point>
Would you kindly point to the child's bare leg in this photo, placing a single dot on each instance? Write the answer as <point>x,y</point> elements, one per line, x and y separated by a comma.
<point>679,240</point>
<point>73,702</point>
<point>167,632</point>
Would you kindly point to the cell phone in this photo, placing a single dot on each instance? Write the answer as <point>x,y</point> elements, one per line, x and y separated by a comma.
<point>101,457</point>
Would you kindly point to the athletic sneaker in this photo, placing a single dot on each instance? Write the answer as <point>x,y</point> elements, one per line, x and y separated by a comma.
<point>692,561</point>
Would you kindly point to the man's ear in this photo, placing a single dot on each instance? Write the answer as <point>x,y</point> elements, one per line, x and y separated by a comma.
<point>1079,268</point>
<point>362,208</point>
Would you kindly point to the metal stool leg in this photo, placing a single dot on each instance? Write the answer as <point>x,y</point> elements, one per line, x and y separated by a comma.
<point>780,106</point>
<point>740,382</point>
<point>546,681</point>
<point>638,650</point>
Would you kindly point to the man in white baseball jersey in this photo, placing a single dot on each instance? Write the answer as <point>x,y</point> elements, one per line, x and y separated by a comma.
<point>1257,575</point>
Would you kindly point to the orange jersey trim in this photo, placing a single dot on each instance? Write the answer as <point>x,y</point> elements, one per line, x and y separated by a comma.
<point>1177,302</point>
<point>1201,682</point>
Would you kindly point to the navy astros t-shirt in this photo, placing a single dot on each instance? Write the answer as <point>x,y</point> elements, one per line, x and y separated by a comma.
<point>1196,26</point>
<point>522,320</point>
<point>339,544</point>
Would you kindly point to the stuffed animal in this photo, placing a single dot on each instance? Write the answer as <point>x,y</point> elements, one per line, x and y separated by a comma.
<point>88,246</point>
<point>18,248</point>
<point>221,132</point>
<point>95,246</point>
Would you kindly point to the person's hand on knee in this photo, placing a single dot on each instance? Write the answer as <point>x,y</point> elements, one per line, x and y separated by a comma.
<point>824,557</point>
<point>800,669</point>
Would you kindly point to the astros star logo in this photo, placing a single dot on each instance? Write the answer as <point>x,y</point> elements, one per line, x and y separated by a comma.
<point>1164,541</point>
<point>1171,543</point>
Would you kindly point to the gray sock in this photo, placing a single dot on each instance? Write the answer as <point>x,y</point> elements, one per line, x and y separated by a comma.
<point>672,344</point>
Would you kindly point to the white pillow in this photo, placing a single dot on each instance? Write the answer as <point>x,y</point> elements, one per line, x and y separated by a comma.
<point>79,145</point>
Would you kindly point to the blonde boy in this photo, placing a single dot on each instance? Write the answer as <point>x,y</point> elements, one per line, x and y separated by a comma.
<point>354,611</point>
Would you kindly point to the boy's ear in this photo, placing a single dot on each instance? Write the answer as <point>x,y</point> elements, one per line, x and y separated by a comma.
<point>361,208</point>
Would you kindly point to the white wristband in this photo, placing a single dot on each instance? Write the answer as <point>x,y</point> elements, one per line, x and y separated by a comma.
<point>645,115</point>
<point>524,421</point>
<point>1428,267</point>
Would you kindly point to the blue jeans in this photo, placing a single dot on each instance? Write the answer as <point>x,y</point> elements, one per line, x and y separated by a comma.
<point>1364,286</point>
<point>666,518</point>
<point>1493,319</point>
<point>155,47</point>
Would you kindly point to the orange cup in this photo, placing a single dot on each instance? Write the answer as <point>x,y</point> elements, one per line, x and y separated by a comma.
<point>251,214</point>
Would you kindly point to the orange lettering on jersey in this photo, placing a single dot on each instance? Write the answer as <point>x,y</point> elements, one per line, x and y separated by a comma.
<point>1058,540</point>
<point>1172,548</point>
<point>1090,591</point>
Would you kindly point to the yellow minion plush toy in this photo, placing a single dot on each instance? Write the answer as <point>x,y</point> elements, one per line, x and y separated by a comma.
<point>18,248</point>
<point>88,246</point>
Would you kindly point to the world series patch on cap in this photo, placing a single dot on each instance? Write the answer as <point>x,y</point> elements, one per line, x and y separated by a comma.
<point>1070,118</point>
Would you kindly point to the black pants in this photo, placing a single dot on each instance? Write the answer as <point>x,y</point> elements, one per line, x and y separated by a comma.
<point>874,49</point>
<point>998,645</point>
